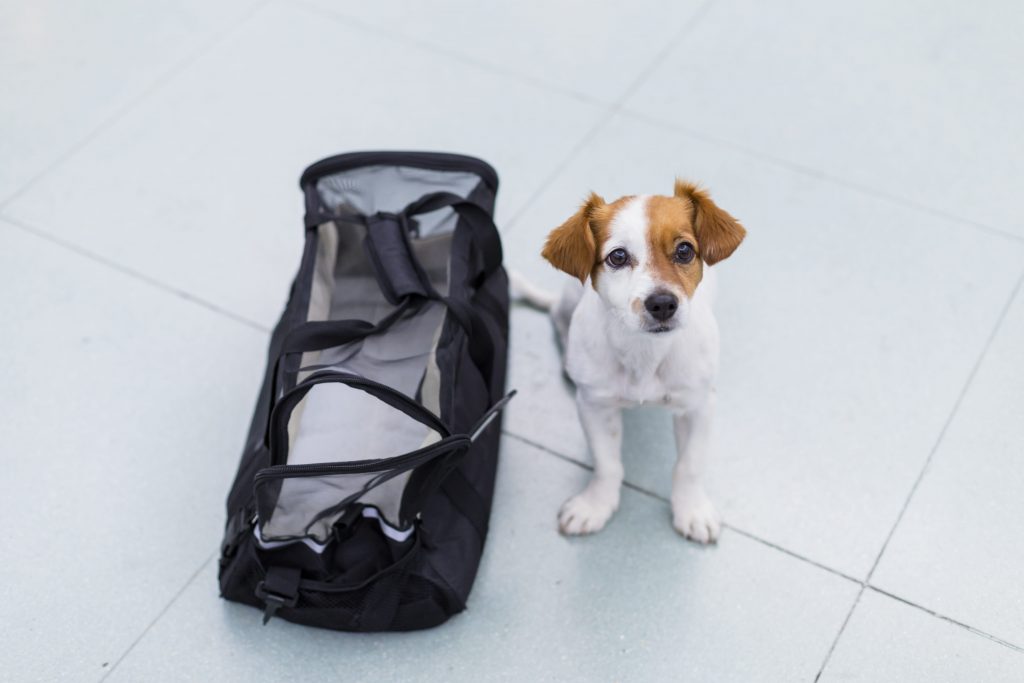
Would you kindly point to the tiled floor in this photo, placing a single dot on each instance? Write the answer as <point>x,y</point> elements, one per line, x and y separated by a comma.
<point>870,453</point>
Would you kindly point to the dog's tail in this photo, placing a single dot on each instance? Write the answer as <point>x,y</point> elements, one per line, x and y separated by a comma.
<point>524,290</point>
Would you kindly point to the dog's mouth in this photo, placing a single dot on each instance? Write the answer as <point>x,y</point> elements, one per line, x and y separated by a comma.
<point>660,328</point>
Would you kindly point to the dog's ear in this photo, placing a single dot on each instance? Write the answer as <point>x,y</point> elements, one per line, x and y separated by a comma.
<point>718,233</point>
<point>572,246</point>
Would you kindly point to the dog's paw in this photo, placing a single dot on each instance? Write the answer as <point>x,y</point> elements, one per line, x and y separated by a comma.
<point>695,517</point>
<point>587,512</point>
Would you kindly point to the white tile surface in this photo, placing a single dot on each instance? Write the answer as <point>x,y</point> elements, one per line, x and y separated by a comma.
<point>125,409</point>
<point>849,327</point>
<point>594,49</point>
<point>636,603</point>
<point>913,99</point>
<point>168,136</point>
<point>65,67</point>
<point>957,550</point>
<point>887,640</point>
<point>198,186</point>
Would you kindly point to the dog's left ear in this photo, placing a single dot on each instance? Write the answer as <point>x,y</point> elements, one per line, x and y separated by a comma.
<point>718,233</point>
<point>572,246</point>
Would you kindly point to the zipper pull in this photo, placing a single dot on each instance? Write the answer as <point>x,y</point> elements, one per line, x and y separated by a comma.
<point>489,416</point>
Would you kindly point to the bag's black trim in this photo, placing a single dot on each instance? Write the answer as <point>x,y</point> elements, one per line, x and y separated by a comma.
<point>439,161</point>
<point>399,462</point>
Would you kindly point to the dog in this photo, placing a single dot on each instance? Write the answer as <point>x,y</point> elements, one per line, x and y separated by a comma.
<point>637,328</point>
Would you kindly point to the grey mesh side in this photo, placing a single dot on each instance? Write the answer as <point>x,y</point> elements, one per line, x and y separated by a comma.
<point>303,500</point>
<point>342,424</point>
<point>370,189</point>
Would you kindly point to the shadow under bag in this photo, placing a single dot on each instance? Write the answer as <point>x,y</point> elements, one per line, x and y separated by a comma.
<point>362,498</point>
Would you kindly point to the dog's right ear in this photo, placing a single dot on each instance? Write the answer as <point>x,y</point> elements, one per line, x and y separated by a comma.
<point>572,246</point>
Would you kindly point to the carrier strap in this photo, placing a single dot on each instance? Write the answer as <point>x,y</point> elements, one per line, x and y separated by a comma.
<point>326,334</point>
<point>399,273</point>
<point>318,335</point>
<point>485,232</point>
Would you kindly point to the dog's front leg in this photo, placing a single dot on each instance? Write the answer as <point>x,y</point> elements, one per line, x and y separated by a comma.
<point>693,513</point>
<point>590,510</point>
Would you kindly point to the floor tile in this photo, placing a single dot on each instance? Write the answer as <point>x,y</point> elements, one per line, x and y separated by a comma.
<point>66,67</point>
<point>957,550</point>
<point>634,603</point>
<point>849,327</point>
<point>202,177</point>
<point>124,412</point>
<point>887,640</point>
<point>594,49</point>
<point>912,99</point>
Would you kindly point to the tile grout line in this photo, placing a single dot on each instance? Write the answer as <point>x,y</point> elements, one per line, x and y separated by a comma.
<point>943,617</point>
<point>691,23</point>
<point>862,583</point>
<point>949,420</point>
<point>920,477</point>
<point>427,46</point>
<point>823,176</point>
<point>865,583</point>
<point>160,80</point>
<point>125,270</point>
<point>662,499</point>
<point>159,615</point>
<point>613,109</point>
<point>617,107</point>
<point>185,62</point>
<point>559,167</point>
<point>839,635</point>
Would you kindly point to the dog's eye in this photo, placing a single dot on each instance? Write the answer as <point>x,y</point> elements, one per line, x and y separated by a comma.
<point>685,252</point>
<point>618,258</point>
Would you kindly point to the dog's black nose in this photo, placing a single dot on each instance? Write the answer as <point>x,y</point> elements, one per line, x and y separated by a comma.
<point>661,306</point>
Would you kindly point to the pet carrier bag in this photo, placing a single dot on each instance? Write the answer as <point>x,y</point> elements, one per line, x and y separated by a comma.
<point>362,499</point>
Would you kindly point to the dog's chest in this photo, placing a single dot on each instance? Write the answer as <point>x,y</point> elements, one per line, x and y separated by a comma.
<point>671,377</point>
<point>670,383</point>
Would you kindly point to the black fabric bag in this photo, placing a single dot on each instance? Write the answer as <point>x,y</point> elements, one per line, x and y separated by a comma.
<point>362,499</point>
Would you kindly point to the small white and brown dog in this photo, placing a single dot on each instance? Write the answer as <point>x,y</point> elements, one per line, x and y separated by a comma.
<point>642,332</point>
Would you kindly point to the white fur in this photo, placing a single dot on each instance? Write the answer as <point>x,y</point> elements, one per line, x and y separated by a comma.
<point>616,363</point>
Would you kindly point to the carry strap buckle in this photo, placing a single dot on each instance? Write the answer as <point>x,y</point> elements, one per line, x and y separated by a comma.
<point>280,588</point>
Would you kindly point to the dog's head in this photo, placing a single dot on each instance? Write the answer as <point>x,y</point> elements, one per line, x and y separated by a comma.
<point>645,255</point>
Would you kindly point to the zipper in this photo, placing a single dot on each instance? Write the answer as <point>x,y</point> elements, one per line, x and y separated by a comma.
<point>413,409</point>
<point>401,462</point>
<point>441,161</point>
<point>356,381</point>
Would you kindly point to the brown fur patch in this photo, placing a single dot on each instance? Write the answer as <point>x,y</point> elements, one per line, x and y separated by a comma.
<point>718,233</point>
<point>575,247</point>
<point>669,225</point>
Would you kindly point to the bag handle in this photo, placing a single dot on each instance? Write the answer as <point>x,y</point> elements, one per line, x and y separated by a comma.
<point>485,232</point>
